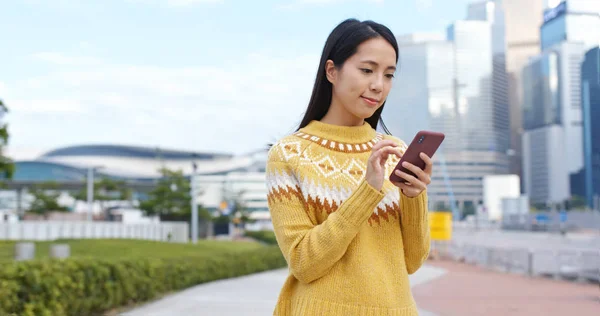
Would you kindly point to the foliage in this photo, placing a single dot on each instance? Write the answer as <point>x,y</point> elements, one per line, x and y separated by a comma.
<point>45,199</point>
<point>106,189</point>
<point>576,203</point>
<point>265,236</point>
<point>7,167</point>
<point>468,209</point>
<point>171,196</point>
<point>91,286</point>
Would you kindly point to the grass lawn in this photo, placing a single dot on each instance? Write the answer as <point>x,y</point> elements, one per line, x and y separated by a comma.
<point>124,248</point>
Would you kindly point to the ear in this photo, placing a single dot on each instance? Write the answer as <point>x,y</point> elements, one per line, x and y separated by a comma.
<point>331,71</point>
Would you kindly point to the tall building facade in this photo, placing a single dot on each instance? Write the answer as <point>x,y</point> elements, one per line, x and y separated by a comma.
<point>552,139</point>
<point>552,102</point>
<point>576,21</point>
<point>590,97</point>
<point>522,31</point>
<point>515,39</point>
<point>424,91</point>
<point>446,84</point>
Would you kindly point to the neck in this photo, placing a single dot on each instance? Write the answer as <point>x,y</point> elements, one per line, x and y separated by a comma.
<point>340,133</point>
<point>337,115</point>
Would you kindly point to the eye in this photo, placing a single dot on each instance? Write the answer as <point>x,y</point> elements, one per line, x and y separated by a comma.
<point>366,70</point>
<point>390,76</point>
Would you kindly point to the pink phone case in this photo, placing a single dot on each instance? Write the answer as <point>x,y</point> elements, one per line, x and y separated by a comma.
<point>424,142</point>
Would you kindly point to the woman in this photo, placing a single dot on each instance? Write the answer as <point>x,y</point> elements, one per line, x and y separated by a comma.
<point>350,236</point>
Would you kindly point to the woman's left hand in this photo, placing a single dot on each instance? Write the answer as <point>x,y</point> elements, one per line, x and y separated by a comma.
<point>417,184</point>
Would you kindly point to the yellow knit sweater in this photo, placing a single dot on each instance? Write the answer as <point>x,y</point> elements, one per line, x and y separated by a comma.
<point>349,247</point>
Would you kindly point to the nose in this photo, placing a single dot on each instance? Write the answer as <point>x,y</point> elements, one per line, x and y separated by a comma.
<point>377,83</point>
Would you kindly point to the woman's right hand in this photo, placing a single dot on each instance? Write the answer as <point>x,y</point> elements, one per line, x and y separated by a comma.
<point>375,175</point>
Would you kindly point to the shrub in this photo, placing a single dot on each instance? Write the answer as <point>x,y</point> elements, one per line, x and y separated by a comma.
<point>265,236</point>
<point>90,286</point>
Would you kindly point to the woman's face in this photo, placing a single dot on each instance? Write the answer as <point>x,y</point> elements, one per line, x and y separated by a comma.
<point>362,84</point>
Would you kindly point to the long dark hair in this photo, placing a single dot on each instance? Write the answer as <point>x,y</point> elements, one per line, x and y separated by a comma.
<point>341,44</point>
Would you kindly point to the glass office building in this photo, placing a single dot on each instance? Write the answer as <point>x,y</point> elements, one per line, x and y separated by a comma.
<point>446,84</point>
<point>483,124</point>
<point>552,116</point>
<point>590,81</point>
<point>572,21</point>
<point>541,95</point>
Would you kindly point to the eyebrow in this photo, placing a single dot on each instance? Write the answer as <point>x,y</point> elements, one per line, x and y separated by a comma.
<point>376,64</point>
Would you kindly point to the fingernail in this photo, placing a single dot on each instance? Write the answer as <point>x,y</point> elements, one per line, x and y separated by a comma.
<point>405,164</point>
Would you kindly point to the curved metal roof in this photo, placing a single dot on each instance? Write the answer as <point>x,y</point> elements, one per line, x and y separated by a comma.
<point>131,151</point>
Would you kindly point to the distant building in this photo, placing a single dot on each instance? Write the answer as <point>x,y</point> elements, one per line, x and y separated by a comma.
<point>590,91</point>
<point>553,151</point>
<point>576,21</point>
<point>515,39</point>
<point>552,139</point>
<point>446,84</point>
<point>241,174</point>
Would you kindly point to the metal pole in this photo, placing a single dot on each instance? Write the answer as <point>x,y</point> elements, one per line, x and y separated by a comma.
<point>194,206</point>
<point>90,193</point>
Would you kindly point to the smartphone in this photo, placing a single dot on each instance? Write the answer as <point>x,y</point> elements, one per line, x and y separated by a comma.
<point>426,142</point>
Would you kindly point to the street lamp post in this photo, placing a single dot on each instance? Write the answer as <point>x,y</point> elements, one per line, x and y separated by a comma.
<point>90,191</point>
<point>194,204</point>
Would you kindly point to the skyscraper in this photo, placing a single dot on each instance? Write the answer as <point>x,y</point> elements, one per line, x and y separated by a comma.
<point>447,85</point>
<point>552,102</point>
<point>423,99</point>
<point>515,39</point>
<point>576,21</point>
<point>590,82</point>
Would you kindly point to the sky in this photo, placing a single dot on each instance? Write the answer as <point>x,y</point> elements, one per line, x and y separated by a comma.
<point>225,76</point>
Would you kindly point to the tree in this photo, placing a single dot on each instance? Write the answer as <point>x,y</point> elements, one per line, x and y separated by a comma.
<point>171,197</point>
<point>106,189</point>
<point>576,202</point>
<point>45,199</point>
<point>239,211</point>
<point>7,167</point>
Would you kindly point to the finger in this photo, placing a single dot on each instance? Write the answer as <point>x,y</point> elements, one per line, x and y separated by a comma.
<point>406,188</point>
<point>411,179</point>
<point>424,177</point>
<point>428,163</point>
<point>393,150</point>
<point>402,185</point>
<point>383,143</point>
<point>381,155</point>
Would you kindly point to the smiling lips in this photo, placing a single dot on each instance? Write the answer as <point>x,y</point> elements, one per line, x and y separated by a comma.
<point>370,101</point>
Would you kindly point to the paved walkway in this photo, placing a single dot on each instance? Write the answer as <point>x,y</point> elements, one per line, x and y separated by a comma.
<point>249,296</point>
<point>469,290</point>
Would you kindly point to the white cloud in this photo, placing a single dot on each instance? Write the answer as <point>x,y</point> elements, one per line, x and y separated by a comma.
<point>45,106</point>
<point>234,108</point>
<point>64,60</point>
<point>3,89</point>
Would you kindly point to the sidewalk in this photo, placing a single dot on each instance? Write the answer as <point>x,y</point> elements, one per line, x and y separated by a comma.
<point>248,296</point>
<point>469,290</point>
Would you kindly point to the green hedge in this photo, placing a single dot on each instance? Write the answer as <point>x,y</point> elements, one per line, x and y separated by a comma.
<point>266,236</point>
<point>88,286</point>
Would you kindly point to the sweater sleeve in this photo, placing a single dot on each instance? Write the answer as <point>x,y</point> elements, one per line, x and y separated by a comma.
<point>414,222</point>
<point>312,249</point>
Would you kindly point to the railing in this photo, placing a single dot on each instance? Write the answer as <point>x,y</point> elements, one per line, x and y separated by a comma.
<point>52,230</point>
<point>571,264</point>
